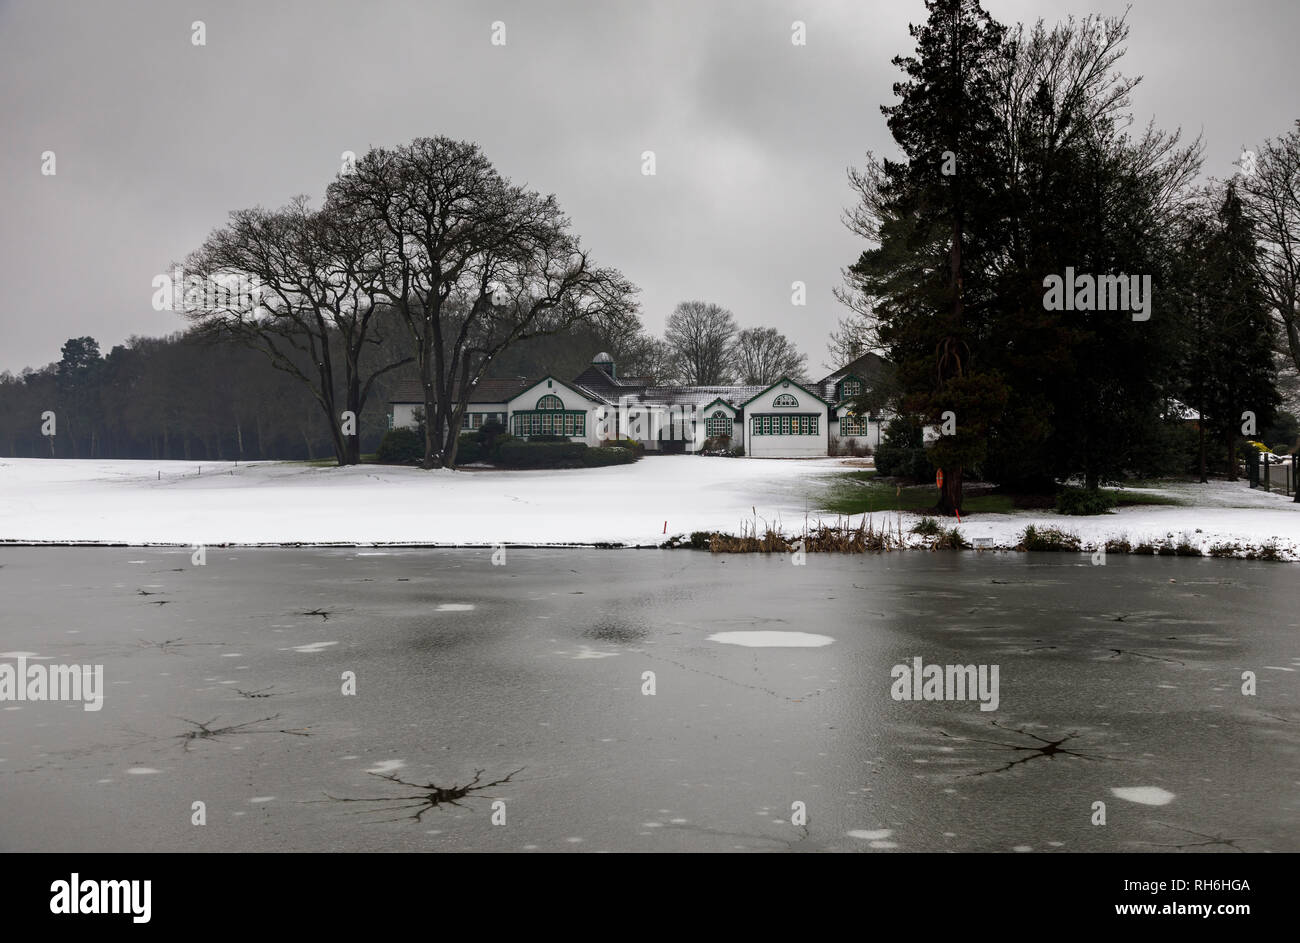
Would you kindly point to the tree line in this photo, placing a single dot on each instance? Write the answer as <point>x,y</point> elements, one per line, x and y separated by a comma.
<point>1021,170</point>
<point>200,394</point>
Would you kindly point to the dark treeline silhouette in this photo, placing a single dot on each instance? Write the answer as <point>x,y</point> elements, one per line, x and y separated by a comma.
<point>177,397</point>
<point>192,397</point>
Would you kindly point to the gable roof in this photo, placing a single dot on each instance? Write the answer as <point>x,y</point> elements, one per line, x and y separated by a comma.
<point>585,394</point>
<point>820,399</point>
<point>487,390</point>
<point>603,388</point>
<point>719,399</point>
<point>869,368</point>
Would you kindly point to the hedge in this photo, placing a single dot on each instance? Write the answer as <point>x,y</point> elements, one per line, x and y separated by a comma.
<point>630,444</point>
<point>400,447</point>
<point>516,454</point>
<point>1081,501</point>
<point>469,448</point>
<point>617,455</point>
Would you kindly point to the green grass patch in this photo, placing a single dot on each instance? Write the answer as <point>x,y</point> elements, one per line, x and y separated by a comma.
<point>860,492</point>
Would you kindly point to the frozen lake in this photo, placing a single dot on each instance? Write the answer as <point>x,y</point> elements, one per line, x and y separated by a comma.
<point>772,683</point>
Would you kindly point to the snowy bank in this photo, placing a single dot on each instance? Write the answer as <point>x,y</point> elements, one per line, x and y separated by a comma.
<point>136,502</point>
<point>139,503</point>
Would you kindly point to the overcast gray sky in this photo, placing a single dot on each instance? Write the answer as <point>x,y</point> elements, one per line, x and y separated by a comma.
<point>156,139</point>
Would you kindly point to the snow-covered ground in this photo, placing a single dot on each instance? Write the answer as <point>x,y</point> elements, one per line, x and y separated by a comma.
<point>136,502</point>
<point>1219,512</point>
<point>132,502</point>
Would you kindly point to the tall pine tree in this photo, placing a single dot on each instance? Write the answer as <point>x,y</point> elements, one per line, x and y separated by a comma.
<point>924,281</point>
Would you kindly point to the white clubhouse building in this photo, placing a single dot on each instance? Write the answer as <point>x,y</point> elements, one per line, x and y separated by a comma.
<point>787,419</point>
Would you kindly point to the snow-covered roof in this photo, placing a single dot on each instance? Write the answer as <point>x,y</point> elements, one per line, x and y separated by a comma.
<point>487,390</point>
<point>697,395</point>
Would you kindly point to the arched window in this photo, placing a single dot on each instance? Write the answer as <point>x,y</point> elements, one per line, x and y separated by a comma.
<point>785,399</point>
<point>718,424</point>
<point>550,401</point>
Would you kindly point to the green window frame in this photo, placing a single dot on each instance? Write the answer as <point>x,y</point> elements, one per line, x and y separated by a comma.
<point>851,425</point>
<point>550,402</point>
<point>785,400</point>
<point>718,424</point>
<point>850,388</point>
<point>802,424</point>
<point>565,422</point>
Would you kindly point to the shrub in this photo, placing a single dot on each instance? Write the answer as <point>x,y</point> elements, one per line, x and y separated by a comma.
<point>950,539</point>
<point>701,539</point>
<point>1267,551</point>
<point>902,453</point>
<point>927,527</point>
<point>488,435</point>
<point>531,454</point>
<point>503,439</point>
<point>631,445</point>
<point>468,449</point>
<point>400,447</point>
<point>599,457</point>
<point>1047,538</point>
<point>1081,501</point>
<point>721,446</point>
<point>548,437</point>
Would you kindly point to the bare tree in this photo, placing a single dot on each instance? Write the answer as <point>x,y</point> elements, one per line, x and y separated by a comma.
<point>297,285</point>
<point>472,263</point>
<point>700,336</point>
<point>763,355</point>
<point>645,356</point>
<point>1271,194</point>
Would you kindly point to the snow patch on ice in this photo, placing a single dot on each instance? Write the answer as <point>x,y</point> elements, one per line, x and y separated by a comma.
<point>387,766</point>
<point>311,648</point>
<point>772,639</point>
<point>871,834</point>
<point>1144,795</point>
<point>586,651</point>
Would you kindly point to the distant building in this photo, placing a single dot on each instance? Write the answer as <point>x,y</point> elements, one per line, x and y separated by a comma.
<point>487,403</point>
<point>785,419</point>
